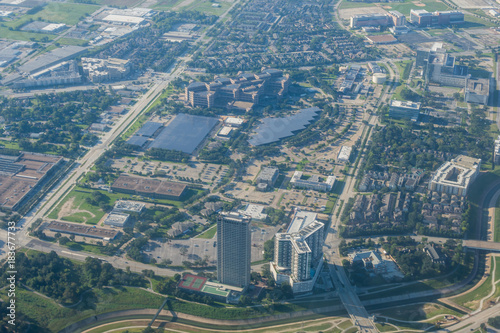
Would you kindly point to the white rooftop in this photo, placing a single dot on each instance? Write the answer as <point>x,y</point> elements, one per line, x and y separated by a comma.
<point>301,220</point>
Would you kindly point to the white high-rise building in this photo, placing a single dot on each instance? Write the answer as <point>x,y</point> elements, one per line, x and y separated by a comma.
<point>298,254</point>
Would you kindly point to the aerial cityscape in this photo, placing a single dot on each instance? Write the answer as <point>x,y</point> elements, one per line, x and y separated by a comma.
<point>249,166</point>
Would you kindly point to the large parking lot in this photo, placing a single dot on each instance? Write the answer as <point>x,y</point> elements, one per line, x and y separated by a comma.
<point>198,248</point>
<point>207,173</point>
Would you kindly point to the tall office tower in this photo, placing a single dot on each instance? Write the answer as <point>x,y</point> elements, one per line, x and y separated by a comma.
<point>233,249</point>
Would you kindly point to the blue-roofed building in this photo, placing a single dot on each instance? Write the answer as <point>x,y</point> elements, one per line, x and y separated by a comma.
<point>184,133</point>
<point>149,129</point>
<point>275,129</point>
<point>136,140</point>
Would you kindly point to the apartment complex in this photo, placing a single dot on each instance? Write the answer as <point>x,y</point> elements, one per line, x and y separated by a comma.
<point>103,70</point>
<point>298,254</point>
<point>423,18</point>
<point>241,92</point>
<point>455,176</point>
<point>404,110</point>
<point>312,182</point>
<point>233,249</point>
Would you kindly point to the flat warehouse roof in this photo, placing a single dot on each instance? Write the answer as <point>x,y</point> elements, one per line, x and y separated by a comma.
<point>184,133</point>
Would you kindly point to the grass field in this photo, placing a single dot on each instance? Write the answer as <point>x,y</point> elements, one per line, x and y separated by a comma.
<point>72,41</point>
<point>349,4</point>
<point>207,8</point>
<point>92,214</point>
<point>496,227</point>
<point>209,233</point>
<point>405,7</point>
<point>24,35</point>
<point>166,4</point>
<point>68,13</point>
<point>471,299</point>
<point>418,312</point>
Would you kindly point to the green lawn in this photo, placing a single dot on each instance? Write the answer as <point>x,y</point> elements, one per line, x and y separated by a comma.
<point>496,227</point>
<point>385,327</point>
<point>24,35</point>
<point>68,13</point>
<point>418,312</point>
<point>497,272</point>
<point>471,299</point>
<point>209,233</point>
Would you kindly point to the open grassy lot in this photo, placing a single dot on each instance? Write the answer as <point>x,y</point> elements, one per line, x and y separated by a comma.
<point>207,7</point>
<point>72,41</point>
<point>418,312</point>
<point>68,13</point>
<point>496,227</point>
<point>471,299</point>
<point>208,234</point>
<point>166,4</point>
<point>24,35</point>
<point>350,4</point>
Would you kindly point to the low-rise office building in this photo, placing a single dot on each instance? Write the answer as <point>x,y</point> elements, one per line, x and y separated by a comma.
<point>404,110</point>
<point>312,182</point>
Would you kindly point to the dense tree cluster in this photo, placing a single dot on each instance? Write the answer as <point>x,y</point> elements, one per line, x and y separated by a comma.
<point>65,281</point>
<point>61,118</point>
<point>406,147</point>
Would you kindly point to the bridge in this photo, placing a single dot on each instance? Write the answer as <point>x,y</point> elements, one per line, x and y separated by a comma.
<point>481,245</point>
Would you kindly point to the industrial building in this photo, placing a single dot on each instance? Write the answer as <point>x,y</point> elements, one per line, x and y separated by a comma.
<point>404,110</point>
<point>313,182</point>
<point>423,18</point>
<point>455,176</point>
<point>82,230</point>
<point>104,70</point>
<point>24,175</point>
<point>344,154</point>
<point>246,88</point>
<point>298,254</point>
<point>154,188</point>
<point>51,58</point>
<point>233,249</point>
<point>184,133</point>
